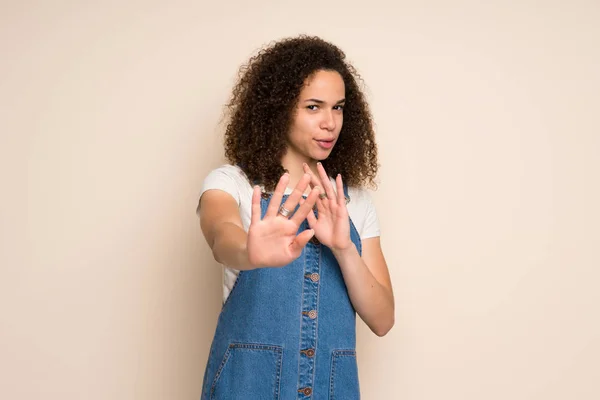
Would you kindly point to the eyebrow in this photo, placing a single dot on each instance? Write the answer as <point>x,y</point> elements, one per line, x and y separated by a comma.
<point>322,102</point>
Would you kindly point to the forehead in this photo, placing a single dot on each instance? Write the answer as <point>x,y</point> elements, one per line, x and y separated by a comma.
<point>324,85</point>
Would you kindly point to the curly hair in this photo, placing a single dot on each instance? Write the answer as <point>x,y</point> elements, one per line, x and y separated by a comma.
<point>263,103</point>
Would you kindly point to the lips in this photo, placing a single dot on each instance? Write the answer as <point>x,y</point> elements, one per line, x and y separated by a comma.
<point>326,144</point>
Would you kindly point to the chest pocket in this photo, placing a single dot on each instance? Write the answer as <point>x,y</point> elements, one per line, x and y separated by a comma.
<point>248,371</point>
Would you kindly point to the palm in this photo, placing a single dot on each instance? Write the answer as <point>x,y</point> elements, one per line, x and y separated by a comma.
<point>273,240</point>
<point>332,224</point>
<point>270,242</point>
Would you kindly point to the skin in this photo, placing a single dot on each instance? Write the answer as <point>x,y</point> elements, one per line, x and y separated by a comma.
<point>318,116</point>
<point>271,242</point>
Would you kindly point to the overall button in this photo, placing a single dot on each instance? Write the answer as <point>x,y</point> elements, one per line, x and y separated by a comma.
<point>306,391</point>
<point>312,314</point>
<point>313,277</point>
<point>308,352</point>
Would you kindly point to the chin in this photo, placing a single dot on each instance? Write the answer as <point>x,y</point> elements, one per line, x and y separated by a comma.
<point>321,155</point>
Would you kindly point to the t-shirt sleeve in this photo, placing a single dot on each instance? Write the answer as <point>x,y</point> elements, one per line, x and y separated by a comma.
<point>220,179</point>
<point>371,224</point>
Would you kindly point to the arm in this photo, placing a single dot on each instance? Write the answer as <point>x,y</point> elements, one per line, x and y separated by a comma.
<point>271,241</point>
<point>369,286</point>
<point>367,278</point>
<point>223,229</point>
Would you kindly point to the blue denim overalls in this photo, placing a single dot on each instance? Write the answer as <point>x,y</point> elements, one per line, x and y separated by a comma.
<point>286,333</point>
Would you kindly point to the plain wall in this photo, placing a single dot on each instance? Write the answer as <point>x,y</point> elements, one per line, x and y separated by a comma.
<point>488,127</point>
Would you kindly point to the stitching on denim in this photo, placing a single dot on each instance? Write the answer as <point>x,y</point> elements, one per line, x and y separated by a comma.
<point>301,317</point>
<point>344,352</point>
<point>334,356</point>
<point>254,347</point>
<point>205,385</point>
<point>235,284</point>
<point>319,283</point>
<point>278,374</point>
<point>332,376</point>
<point>218,374</point>
<point>359,244</point>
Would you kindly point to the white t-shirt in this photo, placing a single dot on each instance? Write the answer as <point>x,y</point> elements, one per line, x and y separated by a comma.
<point>231,179</point>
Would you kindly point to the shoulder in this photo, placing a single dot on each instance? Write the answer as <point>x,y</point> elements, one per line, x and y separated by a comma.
<point>360,198</point>
<point>228,178</point>
<point>228,171</point>
<point>360,194</point>
<point>362,212</point>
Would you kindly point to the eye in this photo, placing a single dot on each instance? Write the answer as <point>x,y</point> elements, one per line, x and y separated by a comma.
<point>312,107</point>
<point>339,107</point>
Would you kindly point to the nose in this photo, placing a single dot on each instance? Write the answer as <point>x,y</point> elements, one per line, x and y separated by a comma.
<point>328,121</point>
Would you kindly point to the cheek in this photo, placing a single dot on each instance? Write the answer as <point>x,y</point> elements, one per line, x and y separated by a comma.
<point>340,122</point>
<point>298,134</point>
<point>306,126</point>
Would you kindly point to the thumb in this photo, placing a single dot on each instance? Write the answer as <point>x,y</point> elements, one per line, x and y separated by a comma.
<point>301,240</point>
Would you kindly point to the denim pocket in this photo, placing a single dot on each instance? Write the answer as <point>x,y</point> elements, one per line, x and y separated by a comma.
<point>248,371</point>
<point>343,384</point>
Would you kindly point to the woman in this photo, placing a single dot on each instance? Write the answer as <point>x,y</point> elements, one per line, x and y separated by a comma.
<point>301,250</point>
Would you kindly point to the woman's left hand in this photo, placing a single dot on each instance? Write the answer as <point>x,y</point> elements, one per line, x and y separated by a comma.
<point>332,225</point>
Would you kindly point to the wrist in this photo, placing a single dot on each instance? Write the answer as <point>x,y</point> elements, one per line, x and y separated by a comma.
<point>344,252</point>
<point>251,262</point>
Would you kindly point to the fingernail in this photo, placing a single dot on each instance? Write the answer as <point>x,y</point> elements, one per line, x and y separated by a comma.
<point>319,163</point>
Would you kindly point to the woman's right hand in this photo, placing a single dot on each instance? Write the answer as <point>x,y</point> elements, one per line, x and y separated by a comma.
<point>273,240</point>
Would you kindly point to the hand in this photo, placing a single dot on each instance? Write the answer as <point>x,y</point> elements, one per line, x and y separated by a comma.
<point>332,226</point>
<point>273,240</point>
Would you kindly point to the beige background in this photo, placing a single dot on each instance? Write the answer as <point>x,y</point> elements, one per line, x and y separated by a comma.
<point>489,132</point>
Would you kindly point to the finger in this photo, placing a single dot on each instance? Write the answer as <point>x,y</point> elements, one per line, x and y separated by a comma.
<point>303,200</point>
<point>326,182</point>
<point>305,207</point>
<point>341,198</point>
<point>292,201</point>
<point>314,180</point>
<point>312,219</point>
<point>321,202</point>
<point>277,195</point>
<point>255,216</point>
<point>300,241</point>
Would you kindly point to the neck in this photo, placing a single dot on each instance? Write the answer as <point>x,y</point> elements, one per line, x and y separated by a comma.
<point>293,162</point>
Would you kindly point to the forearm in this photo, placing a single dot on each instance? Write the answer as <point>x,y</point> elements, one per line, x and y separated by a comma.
<point>373,302</point>
<point>229,247</point>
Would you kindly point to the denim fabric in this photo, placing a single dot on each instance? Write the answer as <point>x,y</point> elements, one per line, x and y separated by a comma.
<point>286,333</point>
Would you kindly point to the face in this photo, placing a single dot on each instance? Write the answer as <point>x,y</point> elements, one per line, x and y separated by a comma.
<point>318,117</point>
